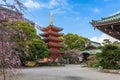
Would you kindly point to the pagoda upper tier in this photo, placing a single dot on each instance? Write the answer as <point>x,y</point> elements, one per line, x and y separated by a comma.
<point>50,32</point>
<point>52,38</point>
<point>109,25</point>
<point>55,45</point>
<point>52,28</point>
<point>53,50</point>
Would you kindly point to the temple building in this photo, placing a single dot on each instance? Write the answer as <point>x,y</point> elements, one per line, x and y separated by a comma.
<point>51,37</point>
<point>109,25</point>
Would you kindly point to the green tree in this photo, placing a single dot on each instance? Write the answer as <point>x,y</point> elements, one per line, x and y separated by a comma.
<point>72,41</point>
<point>109,56</point>
<point>38,49</point>
<point>32,44</point>
<point>116,43</point>
<point>106,41</point>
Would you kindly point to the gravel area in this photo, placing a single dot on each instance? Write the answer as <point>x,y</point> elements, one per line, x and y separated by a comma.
<point>68,72</point>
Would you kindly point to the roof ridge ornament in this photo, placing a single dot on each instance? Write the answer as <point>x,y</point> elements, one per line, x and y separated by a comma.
<point>51,18</point>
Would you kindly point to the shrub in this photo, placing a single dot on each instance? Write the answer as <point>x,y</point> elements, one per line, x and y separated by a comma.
<point>109,56</point>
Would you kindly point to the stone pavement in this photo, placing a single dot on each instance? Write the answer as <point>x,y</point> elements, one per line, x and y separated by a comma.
<point>69,72</point>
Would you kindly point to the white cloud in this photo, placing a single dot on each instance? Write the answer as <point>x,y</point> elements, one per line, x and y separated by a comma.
<point>54,3</point>
<point>102,37</point>
<point>32,4</point>
<point>58,6</point>
<point>57,3</point>
<point>50,5</point>
<point>96,10</point>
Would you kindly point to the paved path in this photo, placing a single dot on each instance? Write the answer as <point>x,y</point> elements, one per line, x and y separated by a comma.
<point>69,72</point>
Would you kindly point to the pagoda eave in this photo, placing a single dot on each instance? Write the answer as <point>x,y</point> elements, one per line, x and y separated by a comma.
<point>47,40</point>
<point>51,27</point>
<point>51,44</point>
<point>54,46</point>
<point>50,33</point>
<point>53,39</point>
<point>55,51</point>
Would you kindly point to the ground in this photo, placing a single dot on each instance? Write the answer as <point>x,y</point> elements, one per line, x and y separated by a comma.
<point>69,72</point>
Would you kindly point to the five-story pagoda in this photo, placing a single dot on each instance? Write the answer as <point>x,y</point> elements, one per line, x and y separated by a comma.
<point>51,37</point>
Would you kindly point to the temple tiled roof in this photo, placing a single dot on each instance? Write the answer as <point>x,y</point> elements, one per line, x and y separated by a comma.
<point>94,51</point>
<point>107,19</point>
<point>109,25</point>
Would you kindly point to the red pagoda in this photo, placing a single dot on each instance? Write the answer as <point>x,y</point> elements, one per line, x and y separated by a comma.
<point>51,37</point>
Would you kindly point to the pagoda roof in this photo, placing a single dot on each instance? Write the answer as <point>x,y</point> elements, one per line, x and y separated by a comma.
<point>52,50</point>
<point>56,45</point>
<point>51,38</point>
<point>51,27</point>
<point>52,33</point>
<point>108,20</point>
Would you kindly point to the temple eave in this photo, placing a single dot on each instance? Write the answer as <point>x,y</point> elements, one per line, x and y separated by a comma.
<point>106,23</point>
<point>112,30</point>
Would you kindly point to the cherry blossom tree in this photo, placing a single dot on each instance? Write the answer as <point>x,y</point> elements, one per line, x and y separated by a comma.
<point>9,56</point>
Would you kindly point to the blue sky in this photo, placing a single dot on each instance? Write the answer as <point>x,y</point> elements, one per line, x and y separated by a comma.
<point>74,16</point>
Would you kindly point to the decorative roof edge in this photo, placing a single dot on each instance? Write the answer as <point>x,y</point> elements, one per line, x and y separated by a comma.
<point>53,26</point>
<point>107,19</point>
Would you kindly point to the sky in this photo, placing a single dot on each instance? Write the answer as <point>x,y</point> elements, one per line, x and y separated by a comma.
<point>74,16</point>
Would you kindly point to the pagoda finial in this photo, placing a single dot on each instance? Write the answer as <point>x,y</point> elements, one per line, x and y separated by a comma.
<point>51,18</point>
